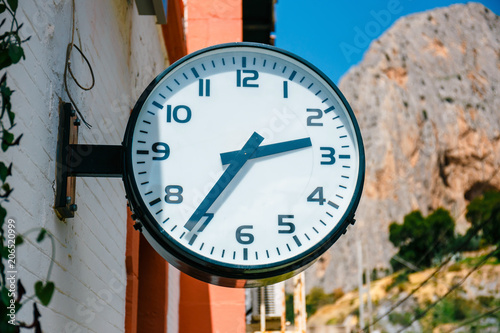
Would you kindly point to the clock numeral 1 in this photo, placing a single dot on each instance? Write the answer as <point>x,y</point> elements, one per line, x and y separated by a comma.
<point>244,82</point>
<point>180,114</point>
<point>204,87</point>
<point>319,199</point>
<point>174,194</point>
<point>285,89</point>
<point>244,238</point>
<point>289,225</point>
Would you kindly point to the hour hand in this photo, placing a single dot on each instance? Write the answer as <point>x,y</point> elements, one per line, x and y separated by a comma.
<point>271,149</point>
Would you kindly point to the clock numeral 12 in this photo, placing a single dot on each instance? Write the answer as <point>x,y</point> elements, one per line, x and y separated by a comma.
<point>244,82</point>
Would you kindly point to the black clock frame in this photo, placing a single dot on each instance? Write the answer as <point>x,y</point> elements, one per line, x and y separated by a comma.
<point>213,271</point>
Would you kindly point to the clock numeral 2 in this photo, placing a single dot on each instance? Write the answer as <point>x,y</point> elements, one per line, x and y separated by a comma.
<point>244,82</point>
<point>204,87</point>
<point>310,119</point>
<point>177,114</point>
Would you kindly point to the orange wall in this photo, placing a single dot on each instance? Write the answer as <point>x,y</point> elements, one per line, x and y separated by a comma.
<point>211,22</point>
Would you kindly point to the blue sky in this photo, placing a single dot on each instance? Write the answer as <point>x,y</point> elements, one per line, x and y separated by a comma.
<point>328,33</point>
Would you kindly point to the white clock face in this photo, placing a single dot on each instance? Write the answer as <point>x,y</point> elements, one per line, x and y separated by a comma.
<point>245,157</point>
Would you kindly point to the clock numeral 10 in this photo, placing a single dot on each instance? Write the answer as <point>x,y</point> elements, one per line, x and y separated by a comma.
<point>244,82</point>
<point>180,114</point>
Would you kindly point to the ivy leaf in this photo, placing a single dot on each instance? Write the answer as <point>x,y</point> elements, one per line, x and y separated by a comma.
<point>12,4</point>
<point>3,214</point>
<point>41,235</point>
<point>5,171</point>
<point>44,292</point>
<point>19,240</point>
<point>15,53</point>
<point>5,296</point>
<point>20,291</point>
<point>7,139</point>
<point>3,7</point>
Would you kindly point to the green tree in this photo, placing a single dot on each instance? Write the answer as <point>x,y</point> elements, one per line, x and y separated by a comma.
<point>484,212</point>
<point>421,239</point>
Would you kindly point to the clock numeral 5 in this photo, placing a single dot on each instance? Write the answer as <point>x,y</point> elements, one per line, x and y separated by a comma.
<point>178,115</point>
<point>174,194</point>
<point>161,148</point>
<point>330,155</point>
<point>289,225</point>
<point>244,238</point>
<point>254,76</point>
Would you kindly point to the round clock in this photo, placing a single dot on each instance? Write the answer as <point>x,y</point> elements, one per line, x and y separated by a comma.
<point>243,164</point>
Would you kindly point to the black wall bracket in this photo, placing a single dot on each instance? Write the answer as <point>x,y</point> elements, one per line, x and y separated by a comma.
<point>79,160</point>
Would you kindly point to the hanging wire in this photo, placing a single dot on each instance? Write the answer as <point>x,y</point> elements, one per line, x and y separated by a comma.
<point>432,305</point>
<point>470,321</point>
<point>67,69</point>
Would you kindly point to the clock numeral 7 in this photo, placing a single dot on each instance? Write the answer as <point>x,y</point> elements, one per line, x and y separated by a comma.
<point>244,82</point>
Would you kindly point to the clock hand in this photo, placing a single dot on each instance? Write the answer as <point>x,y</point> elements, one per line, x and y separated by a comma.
<point>238,160</point>
<point>271,149</point>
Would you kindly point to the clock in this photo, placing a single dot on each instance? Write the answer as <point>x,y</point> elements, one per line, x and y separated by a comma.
<point>243,164</point>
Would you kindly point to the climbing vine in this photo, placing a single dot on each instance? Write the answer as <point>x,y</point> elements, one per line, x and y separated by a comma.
<point>12,291</point>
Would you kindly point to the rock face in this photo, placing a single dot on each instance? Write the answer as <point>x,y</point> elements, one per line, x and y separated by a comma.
<point>427,98</point>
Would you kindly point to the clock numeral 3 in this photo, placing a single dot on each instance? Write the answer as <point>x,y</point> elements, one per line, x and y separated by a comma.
<point>320,199</point>
<point>161,148</point>
<point>174,194</point>
<point>310,119</point>
<point>289,225</point>
<point>330,155</point>
<point>244,83</point>
<point>244,238</point>
<point>180,113</point>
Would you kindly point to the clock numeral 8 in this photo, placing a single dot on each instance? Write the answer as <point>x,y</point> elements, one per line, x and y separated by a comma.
<point>244,238</point>
<point>174,194</point>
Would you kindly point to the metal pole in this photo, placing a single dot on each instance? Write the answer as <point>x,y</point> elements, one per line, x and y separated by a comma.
<point>299,302</point>
<point>360,285</point>
<point>262,309</point>
<point>283,308</point>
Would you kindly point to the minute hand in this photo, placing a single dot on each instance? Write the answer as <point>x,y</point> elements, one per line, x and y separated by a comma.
<point>271,149</point>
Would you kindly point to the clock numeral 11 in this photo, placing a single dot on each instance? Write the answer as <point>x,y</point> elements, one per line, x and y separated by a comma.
<point>204,87</point>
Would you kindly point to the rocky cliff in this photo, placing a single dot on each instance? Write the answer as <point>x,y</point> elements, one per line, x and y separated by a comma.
<point>427,98</point>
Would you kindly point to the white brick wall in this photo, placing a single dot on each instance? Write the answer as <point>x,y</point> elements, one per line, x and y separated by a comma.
<point>125,52</point>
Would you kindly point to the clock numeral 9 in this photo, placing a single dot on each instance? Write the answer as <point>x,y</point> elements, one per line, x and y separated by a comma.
<point>174,194</point>
<point>254,77</point>
<point>330,155</point>
<point>310,119</point>
<point>161,148</point>
<point>179,117</point>
<point>289,225</point>
<point>244,238</point>
<point>319,192</point>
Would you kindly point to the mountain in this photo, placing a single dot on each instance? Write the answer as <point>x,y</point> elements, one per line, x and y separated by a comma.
<point>427,99</point>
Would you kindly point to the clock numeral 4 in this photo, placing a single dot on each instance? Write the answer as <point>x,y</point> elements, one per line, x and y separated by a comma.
<point>160,148</point>
<point>317,196</point>
<point>174,194</point>
<point>180,114</point>
<point>244,238</point>
<point>244,81</point>
<point>289,225</point>
<point>330,155</point>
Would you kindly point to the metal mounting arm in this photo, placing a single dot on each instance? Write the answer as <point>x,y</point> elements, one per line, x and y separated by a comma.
<point>79,160</point>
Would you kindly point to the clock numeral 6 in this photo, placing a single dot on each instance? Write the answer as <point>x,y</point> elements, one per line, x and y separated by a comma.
<point>174,194</point>
<point>289,225</point>
<point>330,155</point>
<point>244,238</point>
<point>254,76</point>
<point>319,192</point>
<point>180,113</point>
<point>161,148</point>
